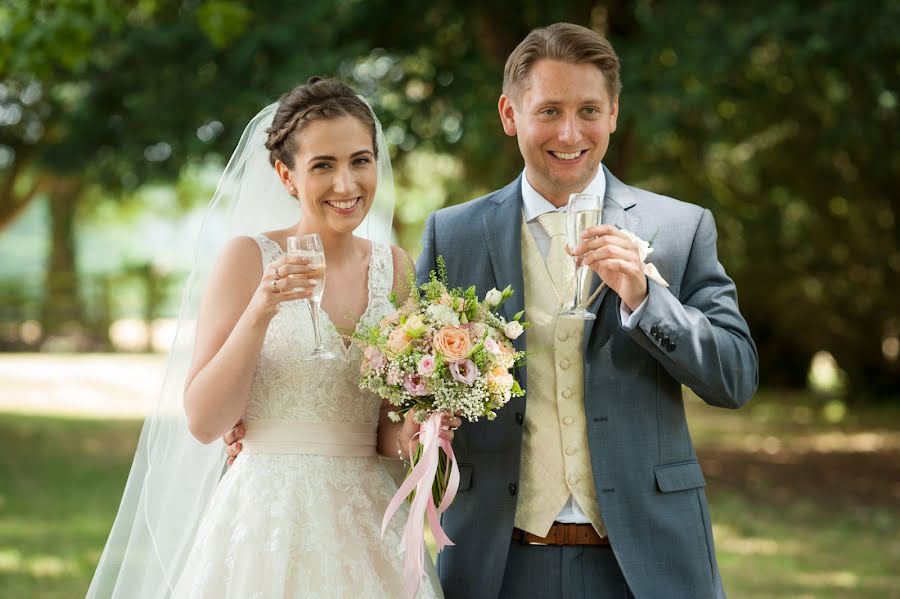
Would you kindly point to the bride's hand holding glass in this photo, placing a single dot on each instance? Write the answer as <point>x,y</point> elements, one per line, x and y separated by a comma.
<point>286,279</point>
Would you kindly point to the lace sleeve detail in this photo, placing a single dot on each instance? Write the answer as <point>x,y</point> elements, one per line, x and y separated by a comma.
<point>269,249</point>
<point>382,280</point>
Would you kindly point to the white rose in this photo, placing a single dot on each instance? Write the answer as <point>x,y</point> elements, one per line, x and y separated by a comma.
<point>440,315</point>
<point>513,329</point>
<point>493,297</point>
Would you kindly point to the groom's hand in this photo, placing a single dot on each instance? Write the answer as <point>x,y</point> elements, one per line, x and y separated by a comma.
<point>617,260</point>
<point>232,441</point>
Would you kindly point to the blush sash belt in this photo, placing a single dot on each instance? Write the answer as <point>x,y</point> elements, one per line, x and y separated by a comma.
<point>356,439</point>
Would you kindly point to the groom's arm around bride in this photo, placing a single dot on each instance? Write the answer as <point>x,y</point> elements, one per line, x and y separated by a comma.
<point>593,488</point>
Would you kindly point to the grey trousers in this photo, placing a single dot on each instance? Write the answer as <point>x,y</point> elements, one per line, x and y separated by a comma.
<point>562,572</point>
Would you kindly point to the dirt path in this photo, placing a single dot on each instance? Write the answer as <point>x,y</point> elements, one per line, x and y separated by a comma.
<point>842,478</point>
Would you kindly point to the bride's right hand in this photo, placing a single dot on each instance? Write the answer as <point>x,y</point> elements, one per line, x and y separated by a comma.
<point>286,279</point>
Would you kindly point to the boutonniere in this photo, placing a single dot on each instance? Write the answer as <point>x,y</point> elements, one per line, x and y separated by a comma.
<point>645,248</point>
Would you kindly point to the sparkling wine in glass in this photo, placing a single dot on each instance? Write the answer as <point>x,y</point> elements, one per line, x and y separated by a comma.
<point>310,247</point>
<point>582,213</point>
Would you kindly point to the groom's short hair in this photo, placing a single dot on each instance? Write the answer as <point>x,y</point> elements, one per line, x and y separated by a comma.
<point>564,42</point>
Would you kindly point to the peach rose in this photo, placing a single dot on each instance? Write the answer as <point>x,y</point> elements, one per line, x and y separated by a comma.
<point>398,341</point>
<point>452,342</point>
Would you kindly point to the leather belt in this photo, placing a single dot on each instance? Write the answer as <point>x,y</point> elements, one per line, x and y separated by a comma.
<point>562,534</point>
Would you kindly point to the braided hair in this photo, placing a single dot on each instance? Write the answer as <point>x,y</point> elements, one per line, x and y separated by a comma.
<point>317,99</point>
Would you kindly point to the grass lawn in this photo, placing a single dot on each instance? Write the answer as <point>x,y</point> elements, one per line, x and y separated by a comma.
<point>805,498</point>
<point>61,480</point>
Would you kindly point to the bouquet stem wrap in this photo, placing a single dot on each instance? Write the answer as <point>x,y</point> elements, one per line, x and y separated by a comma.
<point>421,481</point>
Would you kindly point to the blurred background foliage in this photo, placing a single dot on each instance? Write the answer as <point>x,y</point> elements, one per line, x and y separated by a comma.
<point>116,117</point>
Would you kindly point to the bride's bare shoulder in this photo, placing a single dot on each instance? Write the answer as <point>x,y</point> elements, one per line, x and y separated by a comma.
<point>240,254</point>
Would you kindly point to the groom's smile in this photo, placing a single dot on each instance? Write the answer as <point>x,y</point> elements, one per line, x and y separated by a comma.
<point>562,118</point>
<point>568,156</point>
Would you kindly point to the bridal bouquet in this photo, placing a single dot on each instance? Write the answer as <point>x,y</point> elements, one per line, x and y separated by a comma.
<point>443,350</point>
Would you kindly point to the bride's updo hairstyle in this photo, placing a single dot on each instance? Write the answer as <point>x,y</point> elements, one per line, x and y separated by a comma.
<point>317,99</point>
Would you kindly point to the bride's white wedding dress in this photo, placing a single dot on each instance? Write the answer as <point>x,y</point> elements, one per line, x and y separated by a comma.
<point>299,512</point>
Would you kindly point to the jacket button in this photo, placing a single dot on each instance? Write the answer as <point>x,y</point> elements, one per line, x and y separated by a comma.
<point>567,393</point>
<point>666,340</point>
<point>520,417</point>
<point>568,420</point>
<point>671,346</point>
<point>563,336</point>
<point>564,364</point>
<point>513,488</point>
<point>654,330</point>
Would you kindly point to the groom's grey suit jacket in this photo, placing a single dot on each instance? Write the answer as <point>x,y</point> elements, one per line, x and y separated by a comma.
<point>648,481</point>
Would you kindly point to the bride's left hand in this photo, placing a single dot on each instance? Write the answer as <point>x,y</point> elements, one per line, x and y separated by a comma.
<point>449,424</point>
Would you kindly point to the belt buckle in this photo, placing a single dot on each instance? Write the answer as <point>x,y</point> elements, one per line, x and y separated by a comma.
<point>523,539</point>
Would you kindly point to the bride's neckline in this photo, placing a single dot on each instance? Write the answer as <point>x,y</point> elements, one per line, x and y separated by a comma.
<point>345,347</point>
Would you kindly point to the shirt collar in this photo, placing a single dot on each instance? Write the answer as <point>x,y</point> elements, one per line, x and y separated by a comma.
<point>534,204</point>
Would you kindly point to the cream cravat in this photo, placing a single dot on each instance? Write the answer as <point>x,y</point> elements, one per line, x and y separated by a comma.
<point>560,264</point>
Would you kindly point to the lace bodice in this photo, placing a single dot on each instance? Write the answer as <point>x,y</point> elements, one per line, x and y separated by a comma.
<point>285,387</point>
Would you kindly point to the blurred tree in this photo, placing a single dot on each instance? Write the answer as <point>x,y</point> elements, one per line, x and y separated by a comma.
<point>112,95</point>
<point>781,119</point>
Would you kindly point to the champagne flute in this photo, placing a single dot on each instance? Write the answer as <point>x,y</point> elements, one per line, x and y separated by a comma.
<point>310,247</point>
<point>582,213</point>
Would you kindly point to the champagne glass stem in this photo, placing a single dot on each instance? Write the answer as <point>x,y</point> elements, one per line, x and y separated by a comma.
<point>314,313</point>
<point>579,275</point>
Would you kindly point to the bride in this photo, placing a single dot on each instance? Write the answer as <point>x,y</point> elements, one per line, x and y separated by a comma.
<point>299,512</point>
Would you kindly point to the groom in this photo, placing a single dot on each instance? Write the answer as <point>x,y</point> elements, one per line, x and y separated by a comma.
<point>589,485</point>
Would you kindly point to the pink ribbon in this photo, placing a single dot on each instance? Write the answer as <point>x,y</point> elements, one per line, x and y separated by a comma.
<point>422,479</point>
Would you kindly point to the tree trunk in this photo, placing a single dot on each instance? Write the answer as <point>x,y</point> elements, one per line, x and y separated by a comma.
<point>13,200</point>
<point>62,303</point>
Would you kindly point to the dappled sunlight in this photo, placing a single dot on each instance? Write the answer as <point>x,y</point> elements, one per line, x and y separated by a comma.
<point>39,566</point>
<point>135,335</point>
<point>826,442</point>
<point>827,579</point>
<point>865,442</point>
<point>91,385</point>
<point>728,540</point>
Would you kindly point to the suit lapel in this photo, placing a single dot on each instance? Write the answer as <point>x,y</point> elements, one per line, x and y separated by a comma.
<point>503,236</point>
<point>502,229</point>
<point>617,202</point>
